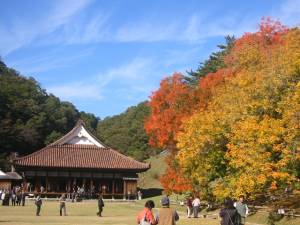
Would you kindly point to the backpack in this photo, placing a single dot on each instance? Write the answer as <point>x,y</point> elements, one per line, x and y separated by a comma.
<point>144,221</point>
<point>38,201</point>
<point>235,222</point>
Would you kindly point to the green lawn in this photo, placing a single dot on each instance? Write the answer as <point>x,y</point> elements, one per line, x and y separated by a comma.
<point>78,213</point>
<point>85,213</point>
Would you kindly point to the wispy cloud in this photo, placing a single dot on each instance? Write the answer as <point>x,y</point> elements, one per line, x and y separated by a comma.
<point>54,59</point>
<point>133,70</point>
<point>95,87</point>
<point>77,90</point>
<point>22,32</point>
<point>288,12</point>
<point>67,22</point>
<point>134,79</point>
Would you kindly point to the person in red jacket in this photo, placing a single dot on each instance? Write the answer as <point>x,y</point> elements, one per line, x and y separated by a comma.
<point>146,215</point>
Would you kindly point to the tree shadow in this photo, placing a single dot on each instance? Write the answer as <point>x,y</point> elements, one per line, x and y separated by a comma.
<point>151,192</point>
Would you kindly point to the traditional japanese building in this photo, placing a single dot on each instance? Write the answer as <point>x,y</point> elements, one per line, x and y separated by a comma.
<point>9,179</point>
<point>79,159</point>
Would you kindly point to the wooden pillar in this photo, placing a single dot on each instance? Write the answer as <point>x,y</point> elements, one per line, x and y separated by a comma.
<point>47,183</point>
<point>83,182</point>
<point>124,188</point>
<point>69,184</point>
<point>24,182</point>
<point>37,187</point>
<point>113,186</point>
<point>91,184</point>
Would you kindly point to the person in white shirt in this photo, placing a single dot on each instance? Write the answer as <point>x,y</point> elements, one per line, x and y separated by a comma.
<point>196,206</point>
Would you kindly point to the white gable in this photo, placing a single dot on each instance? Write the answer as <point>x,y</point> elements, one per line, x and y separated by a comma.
<point>80,136</point>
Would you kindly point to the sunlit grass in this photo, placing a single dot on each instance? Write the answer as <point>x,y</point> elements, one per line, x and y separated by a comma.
<point>116,213</point>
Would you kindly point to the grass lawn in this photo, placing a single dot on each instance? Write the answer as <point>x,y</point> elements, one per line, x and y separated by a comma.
<point>85,213</point>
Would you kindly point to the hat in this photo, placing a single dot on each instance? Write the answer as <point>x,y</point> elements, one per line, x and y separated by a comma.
<point>165,201</point>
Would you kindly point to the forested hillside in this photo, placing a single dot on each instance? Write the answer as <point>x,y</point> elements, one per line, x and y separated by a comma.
<point>30,118</point>
<point>126,133</point>
<point>237,131</point>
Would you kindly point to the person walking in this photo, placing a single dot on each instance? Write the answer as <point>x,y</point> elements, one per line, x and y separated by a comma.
<point>229,215</point>
<point>13,197</point>
<point>62,204</point>
<point>18,197</point>
<point>166,215</point>
<point>100,205</point>
<point>242,210</point>
<point>7,197</point>
<point>196,206</point>
<point>23,196</point>
<point>3,197</point>
<point>38,203</point>
<point>189,206</point>
<point>145,217</point>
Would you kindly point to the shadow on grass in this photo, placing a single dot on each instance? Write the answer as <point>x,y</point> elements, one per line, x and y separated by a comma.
<point>151,192</point>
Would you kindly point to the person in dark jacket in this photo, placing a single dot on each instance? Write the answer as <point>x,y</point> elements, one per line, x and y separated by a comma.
<point>23,196</point>
<point>38,203</point>
<point>189,205</point>
<point>229,214</point>
<point>100,205</point>
<point>62,204</point>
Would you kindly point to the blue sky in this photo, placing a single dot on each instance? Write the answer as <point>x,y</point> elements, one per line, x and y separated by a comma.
<point>104,56</point>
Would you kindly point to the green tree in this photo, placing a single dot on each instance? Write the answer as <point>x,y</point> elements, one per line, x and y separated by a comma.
<point>125,132</point>
<point>211,65</point>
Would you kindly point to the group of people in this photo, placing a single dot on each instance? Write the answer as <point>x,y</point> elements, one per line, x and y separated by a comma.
<point>193,206</point>
<point>164,216</point>
<point>234,213</point>
<point>15,195</point>
<point>62,205</point>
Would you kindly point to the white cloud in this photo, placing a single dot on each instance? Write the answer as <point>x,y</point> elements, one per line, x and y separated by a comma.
<point>146,31</point>
<point>288,13</point>
<point>133,70</point>
<point>52,60</point>
<point>23,32</point>
<point>77,90</point>
<point>124,77</point>
<point>68,23</point>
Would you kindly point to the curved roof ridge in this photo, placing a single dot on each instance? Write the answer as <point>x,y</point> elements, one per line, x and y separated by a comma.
<point>79,123</point>
<point>128,157</point>
<point>32,154</point>
<point>81,156</point>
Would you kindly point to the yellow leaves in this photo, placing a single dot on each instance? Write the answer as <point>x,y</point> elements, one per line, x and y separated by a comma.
<point>247,140</point>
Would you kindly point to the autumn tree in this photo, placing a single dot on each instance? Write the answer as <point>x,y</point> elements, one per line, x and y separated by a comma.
<point>243,141</point>
<point>169,105</point>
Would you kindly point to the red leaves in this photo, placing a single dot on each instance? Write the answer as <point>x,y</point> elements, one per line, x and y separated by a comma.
<point>174,180</point>
<point>175,101</point>
<point>169,105</point>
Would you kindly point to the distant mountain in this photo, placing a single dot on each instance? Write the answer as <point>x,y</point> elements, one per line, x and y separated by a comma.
<point>30,118</point>
<point>125,132</point>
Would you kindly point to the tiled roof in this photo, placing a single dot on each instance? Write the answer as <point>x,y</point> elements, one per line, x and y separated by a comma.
<point>70,134</point>
<point>9,176</point>
<point>14,175</point>
<point>80,156</point>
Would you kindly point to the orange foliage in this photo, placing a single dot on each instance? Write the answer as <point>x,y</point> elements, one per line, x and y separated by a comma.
<point>208,84</point>
<point>169,105</point>
<point>253,48</point>
<point>240,116</point>
<point>174,180</point>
